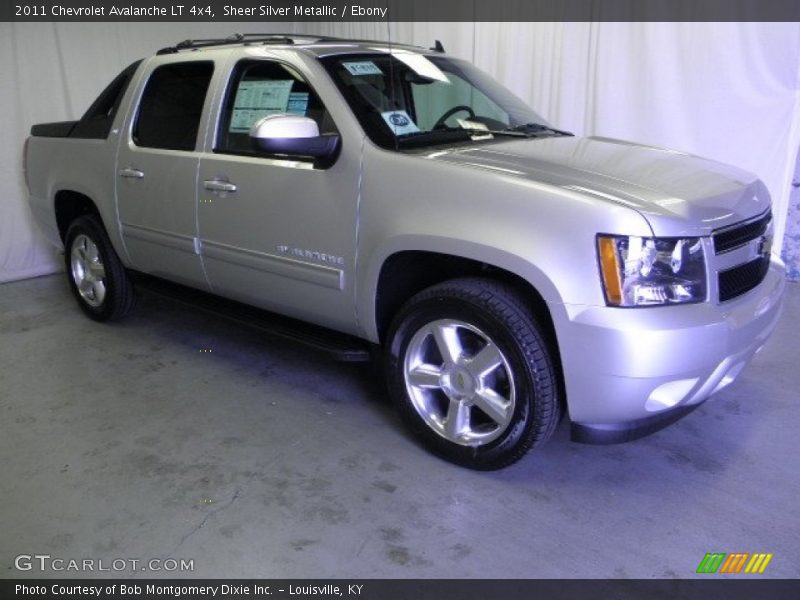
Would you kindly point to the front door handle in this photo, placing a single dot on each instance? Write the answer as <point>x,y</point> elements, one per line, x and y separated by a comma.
<point>217,185</point>
<point>131,173</point>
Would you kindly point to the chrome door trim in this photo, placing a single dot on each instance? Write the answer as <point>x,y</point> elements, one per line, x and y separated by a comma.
<point>185,243</point>
<point>321,275</point>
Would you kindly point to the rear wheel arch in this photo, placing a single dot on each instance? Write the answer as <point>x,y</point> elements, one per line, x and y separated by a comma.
<point>70,205</point>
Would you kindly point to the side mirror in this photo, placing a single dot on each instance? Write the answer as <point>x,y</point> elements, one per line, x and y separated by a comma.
<point>293,135</point>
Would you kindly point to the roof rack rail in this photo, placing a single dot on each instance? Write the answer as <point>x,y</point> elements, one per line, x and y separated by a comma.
<point>361,41</point>
<point>273,38</point>
<point>235,38</point>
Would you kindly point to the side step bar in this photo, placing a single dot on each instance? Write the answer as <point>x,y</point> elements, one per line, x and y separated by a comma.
<point>338,346</point>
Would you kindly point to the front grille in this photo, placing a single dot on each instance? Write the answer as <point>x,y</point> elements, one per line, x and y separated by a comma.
<point>736,236</point>
<point>747,244</point>
<point>738,280</point>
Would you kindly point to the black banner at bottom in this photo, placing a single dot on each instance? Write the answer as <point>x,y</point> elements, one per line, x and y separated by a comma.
<point>397,589</point>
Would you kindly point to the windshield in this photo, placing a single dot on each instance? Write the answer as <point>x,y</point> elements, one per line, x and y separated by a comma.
<point>406,99</point>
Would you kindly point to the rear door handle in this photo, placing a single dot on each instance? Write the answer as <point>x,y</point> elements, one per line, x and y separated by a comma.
<point>131,173</point>
<point>217,185</point>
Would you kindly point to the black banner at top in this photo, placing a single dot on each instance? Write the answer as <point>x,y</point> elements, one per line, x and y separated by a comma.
<point>399,10</point>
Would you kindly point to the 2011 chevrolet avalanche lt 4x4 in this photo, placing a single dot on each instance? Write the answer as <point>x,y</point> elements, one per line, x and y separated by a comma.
<point>511,272</point>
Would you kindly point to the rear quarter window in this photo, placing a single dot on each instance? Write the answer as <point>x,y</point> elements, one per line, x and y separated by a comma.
<point>97,120</point>
<point>171,106</point>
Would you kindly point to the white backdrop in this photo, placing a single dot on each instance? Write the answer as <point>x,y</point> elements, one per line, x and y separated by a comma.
<point>728,91</point>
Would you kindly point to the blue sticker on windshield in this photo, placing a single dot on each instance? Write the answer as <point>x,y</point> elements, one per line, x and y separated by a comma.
<point>399,122</point>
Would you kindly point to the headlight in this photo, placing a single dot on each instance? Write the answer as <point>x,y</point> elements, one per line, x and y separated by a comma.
<point>640,271</point>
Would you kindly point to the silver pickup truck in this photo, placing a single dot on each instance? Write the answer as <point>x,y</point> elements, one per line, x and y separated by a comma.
<point>512,273</point>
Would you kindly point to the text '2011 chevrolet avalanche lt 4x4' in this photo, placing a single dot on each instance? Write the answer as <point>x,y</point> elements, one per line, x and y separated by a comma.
<point>512,273</point>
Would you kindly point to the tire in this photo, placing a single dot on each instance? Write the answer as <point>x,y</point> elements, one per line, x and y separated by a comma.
<point>97,278</point>
<point>471,373</point>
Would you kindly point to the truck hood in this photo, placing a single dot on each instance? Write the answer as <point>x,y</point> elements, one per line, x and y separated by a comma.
<point>679,194</point>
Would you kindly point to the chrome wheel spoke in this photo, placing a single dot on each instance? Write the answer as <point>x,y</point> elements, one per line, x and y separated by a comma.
<point>457,421</point>
<point>447,342</point>
<point>98,270</point>
<point>484,362</point>
<point>447,382</point>
<point>493,404</point>
<point>425,376</point>
<point>85,286</point>
<point>88,271</point>
<point>91,252</point>
<point>98,290</point>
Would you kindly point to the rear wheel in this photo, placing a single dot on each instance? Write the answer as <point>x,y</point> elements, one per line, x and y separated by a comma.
<point>96,275</point>
<point>471,373</point>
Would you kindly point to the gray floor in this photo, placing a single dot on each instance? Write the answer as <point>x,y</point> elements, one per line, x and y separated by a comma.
<point>258,460</point>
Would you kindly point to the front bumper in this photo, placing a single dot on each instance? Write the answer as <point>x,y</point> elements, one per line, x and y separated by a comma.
<point>630,372</point>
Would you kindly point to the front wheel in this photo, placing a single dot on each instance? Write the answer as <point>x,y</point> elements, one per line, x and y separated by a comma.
<point>96,276</point>
<point>471,373</point>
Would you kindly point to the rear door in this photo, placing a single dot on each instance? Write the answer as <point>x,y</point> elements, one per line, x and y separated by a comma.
<point>157,172</point>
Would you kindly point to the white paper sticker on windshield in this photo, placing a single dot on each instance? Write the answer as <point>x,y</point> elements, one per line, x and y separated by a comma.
<point>362,67</point>
<point>399,122</point>
<point>464,124</point>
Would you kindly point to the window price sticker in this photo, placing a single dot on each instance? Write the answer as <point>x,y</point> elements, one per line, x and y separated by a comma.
<point>364,67</point>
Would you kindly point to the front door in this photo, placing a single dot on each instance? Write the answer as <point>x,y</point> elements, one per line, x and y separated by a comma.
<point>277,231</point>
<point>157,173</point>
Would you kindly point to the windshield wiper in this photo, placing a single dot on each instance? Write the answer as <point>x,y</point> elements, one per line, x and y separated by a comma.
<point>534,128</point>
<point>505,132</point>
<point>450,134</point>
<point>443,135</point>
<point>528,130</point>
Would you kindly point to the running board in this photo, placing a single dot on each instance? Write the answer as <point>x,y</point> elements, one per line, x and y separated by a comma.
<point>338,346</point>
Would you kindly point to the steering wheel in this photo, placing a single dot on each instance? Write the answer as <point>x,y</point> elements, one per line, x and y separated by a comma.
<point>461,107</point>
